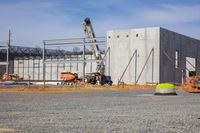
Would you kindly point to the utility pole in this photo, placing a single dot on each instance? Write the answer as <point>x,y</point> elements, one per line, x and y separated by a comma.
<point>9,42</point>
<point>7,56</point>
<point>9,38</point>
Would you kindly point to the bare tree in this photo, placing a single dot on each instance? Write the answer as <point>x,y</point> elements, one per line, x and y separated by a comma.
<point>76,50</point>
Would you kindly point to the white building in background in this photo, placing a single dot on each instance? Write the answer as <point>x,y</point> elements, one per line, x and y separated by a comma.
<point>162,55</point>
<point>34,68</point>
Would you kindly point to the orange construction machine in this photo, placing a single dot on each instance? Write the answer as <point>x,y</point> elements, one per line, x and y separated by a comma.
<point>12,77</point>
<point>192,84</point>
<point>68,76</point>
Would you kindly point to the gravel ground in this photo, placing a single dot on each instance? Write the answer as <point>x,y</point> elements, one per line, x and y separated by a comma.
<point>100,111</point>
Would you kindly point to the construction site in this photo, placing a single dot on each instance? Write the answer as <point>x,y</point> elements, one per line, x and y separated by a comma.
<point>144,56</point>
<point>117,83</point>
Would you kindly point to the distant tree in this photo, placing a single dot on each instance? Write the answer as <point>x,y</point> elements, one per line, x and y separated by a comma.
<point>76,50</point>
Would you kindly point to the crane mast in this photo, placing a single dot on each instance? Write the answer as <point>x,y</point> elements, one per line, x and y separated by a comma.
<point>89,32</point>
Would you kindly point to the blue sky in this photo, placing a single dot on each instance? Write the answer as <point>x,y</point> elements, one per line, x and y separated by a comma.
<point>32,21</point>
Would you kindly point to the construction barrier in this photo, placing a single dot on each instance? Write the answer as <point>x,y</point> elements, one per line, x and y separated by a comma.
<point>165,89</point>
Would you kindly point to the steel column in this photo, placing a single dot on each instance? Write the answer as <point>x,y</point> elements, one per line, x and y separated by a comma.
<point>43,61</point>
<point>84,60</point>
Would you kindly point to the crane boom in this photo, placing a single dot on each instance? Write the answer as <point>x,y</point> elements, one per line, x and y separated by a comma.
<point>89,32</point>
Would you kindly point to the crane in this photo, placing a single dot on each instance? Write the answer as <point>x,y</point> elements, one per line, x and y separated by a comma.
<point>89,32</point>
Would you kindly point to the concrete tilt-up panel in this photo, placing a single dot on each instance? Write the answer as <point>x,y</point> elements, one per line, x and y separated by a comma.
<point>122,45</point>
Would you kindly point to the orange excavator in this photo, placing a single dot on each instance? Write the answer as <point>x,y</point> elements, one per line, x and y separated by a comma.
<point>192,84</point>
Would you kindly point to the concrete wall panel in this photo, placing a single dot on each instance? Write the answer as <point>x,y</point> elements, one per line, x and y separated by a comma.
<point>122,45</point>
<point>187,47</point>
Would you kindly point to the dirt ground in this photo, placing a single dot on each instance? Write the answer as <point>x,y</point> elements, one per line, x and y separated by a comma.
<point>88,111</point>
<point>76,89</point>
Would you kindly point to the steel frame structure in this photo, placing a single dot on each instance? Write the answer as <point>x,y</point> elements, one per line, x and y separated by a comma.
<point>81,42</point>
<point>9,54</point>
